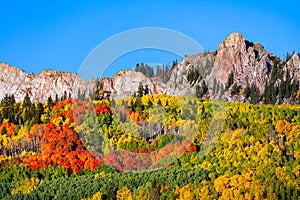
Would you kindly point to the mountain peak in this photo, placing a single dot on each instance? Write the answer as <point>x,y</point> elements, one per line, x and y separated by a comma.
<point>296,56</point>
<point>248,61</point>
<point>234,40</point>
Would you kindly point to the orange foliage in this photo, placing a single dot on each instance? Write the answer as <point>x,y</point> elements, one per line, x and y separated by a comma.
<point>62,147</point>
<point>9,127</point>
<point>102,108</point>
<point>136,117</point>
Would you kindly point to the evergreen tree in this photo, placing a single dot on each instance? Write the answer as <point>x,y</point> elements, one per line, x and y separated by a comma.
<point>159,102</point>
<point>235,89</point>
<point>149,104</point>
<point>137,67</point>
<point>294,88</point>
<point>158,71</point>
<point>247,91</point>
<point>201,91</point>
<point>287,57</point>
<point>26,101</point>
<point>204,88</point>
<point>229,81</point>
<point>288,85</point>
<point>273,92</point>
<point>5,104</point>
<point>11,108</point>
<point>147,90</point>
<point>214,86</point>
<point>282,92</point>
<point>174,63</point>
<point>39,112</point>
<point>140,91</point>
<point>65,95</point>
<point>50,102</point>
<point>198,91</point>
<point>255,94</point>
<point>56,98</point>
<point>78,93</point>
<point>12,99</point>
<point>27,107</point>
<point>83,95</point>
<point>267,93</point>
<point>218,87</point>
<point>163,73</point>
<point>193,76</point>
<point>33,114</point>
<point>222,92</point>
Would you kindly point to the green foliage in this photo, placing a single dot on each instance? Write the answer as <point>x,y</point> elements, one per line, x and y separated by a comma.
<point>163,72</point>
<point>166,139</point>
<point>85,186</point>
<point>280,85</point>
<point>193,76</point>
<point>8,109</point>
<point>140,91</point>
<point>235,89</point>
<point>50,103</point>
<point>254,94</point>
<point>230,81</point>
<point>146,69</point>
<point>201,90</point>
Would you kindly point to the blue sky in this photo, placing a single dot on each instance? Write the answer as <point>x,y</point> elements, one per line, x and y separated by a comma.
<point>59,35</point>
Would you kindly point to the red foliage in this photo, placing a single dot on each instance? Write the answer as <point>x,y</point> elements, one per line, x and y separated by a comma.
<point>192,148</point>
<point>61,145</point>
<point>78,109</point>
<point>102,108</point>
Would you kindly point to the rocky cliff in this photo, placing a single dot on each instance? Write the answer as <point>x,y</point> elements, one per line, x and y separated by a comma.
<point>249,63</point>
<point>47,83</point>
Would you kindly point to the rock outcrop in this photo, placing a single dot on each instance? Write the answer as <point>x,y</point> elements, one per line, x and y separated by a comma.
<point>249,62</point>
<point>125,83</point>
<point>293,65</point>
<point>178,83</point>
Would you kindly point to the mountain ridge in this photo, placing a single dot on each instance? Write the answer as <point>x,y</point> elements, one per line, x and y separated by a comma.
<point>247,62</point>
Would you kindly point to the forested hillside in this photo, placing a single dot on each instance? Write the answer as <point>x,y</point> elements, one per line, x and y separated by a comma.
<point>148,147</point>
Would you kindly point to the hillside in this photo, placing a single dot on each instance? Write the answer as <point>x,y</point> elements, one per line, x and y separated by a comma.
<point>90,150</point>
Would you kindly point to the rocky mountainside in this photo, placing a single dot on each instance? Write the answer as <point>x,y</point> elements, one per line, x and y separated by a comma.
<point>250,65</point>
<point>228,73</point>
<point>47,83</point>
<point>249,62</point>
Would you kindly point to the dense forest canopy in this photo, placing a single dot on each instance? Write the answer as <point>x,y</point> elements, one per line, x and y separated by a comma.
<point>87,149</point>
